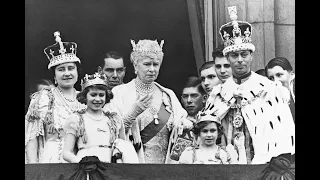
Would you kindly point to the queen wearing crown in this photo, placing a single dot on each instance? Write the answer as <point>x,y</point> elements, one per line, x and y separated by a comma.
<point>93,131</point>
<point>49,107</point>
<point>152,114</point>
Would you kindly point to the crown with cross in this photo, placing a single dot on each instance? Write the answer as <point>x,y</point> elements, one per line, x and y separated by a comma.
<point>61,52</point>
<point>146,48</point>
<point>236,35</point>
<point>208,113</point>
<point>94,79</point>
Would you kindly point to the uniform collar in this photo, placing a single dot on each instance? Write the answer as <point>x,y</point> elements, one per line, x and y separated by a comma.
<point>242,79</point>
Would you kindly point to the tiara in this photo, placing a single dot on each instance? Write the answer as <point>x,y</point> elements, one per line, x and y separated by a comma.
<point>94,79</point>
<point>208,113</point>
<point>146,47</point>
<point>61,52</point>
<point>236,35</point>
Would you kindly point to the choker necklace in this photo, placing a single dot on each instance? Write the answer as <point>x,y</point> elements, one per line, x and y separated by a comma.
<point>144,88</point>
<point>68,99</point>
<point>98,119</point>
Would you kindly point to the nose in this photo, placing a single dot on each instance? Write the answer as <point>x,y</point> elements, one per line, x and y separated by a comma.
<point>151,68</point>
<point>114,73</point>
<point>240,59</point>
<point>222,70</point>
<point>189,99</point>
<point>206,82</point>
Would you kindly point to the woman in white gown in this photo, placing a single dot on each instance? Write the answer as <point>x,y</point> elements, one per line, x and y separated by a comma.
<point>49,107</point>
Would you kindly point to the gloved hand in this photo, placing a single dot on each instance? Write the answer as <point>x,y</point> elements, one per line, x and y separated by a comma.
<point>141,104</point>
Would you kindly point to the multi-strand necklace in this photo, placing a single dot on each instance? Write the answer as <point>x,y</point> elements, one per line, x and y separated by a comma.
<point>144,88</point>
<point>70,104</point>
<point>68,99</point>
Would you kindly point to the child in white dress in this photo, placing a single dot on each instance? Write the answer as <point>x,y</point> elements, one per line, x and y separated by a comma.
<point>97,133</point>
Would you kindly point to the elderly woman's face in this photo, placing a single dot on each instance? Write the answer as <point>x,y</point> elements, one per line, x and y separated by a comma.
<point>147,69</point>
<point>66,74</point>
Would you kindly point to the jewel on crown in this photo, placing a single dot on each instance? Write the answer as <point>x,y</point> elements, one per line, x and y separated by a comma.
<point>94,79</point>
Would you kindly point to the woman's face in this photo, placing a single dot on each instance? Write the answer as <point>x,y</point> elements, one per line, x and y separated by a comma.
<point>209,134</point>
<point>96,99</point>
<point>147,69</point>
<point>66,74</point>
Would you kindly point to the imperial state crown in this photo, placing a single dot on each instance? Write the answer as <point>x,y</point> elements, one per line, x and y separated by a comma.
<point>236,35</point>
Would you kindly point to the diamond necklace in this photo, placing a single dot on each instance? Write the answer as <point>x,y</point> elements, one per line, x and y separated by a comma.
<point>68,99</point>
<point>144,88</point>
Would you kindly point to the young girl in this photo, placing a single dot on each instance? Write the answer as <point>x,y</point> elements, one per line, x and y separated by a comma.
<point>96,132</point>
<point>207,130</point>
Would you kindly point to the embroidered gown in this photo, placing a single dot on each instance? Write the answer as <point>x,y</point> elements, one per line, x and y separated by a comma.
<point>94,137</point>
<point>48,105</point>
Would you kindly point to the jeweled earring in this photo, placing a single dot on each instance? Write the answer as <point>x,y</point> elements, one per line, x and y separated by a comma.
<point>55,81</point>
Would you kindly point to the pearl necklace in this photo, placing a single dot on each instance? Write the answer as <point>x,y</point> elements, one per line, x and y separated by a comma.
<point>68,99</point>
<point>144,88</point>
<point>99,119</point>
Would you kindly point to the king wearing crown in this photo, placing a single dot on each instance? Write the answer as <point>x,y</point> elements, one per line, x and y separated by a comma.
<point>249,103</point>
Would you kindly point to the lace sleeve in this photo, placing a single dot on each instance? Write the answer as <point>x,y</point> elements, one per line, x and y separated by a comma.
<point>72,125</point>
<point>37,112</point>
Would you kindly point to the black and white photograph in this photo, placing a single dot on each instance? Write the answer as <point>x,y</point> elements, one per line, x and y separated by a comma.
<point>159,89</point>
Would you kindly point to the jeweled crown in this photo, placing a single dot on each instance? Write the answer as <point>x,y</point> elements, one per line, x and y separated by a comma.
<point>61,52</point>
<point>146,47</point>
<point>94,79</point>
<point>236,35</point>
<point>208,113</point>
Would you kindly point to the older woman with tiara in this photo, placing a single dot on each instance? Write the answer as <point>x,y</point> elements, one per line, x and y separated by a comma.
<point>152,114</point>
<point>50,107</point>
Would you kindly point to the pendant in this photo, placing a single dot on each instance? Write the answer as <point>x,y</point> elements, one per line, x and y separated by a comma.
<point>155,117</point>
<point>238,119</point>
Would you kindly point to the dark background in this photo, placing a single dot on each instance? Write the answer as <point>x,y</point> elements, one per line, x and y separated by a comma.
<point>101,26</point>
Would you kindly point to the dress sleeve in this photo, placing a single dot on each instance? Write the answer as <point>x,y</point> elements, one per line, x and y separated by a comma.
<point>72,125</point>
<point>37,112</point>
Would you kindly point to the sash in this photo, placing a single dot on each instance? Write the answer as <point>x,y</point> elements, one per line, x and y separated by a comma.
<point>152,129</point>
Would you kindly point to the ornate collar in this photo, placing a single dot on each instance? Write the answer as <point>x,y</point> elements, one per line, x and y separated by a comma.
<point>241,79</point>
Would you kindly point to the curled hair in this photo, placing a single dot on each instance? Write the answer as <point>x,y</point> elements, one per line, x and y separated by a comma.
<point>199,126</point>
<point>82,96</point>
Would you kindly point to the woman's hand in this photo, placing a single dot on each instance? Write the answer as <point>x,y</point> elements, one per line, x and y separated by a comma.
<point>141,104</point>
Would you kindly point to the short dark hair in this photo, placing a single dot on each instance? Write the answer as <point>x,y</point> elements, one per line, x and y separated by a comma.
<point>217,52</point>
<point>279,61</point>
<point>206,65</point>
<point>194,81</point>
<point>82,96</point>
<point>262,72</point>
<point>111,54</point>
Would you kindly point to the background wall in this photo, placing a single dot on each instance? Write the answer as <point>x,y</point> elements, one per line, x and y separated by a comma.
<point>100,26</point>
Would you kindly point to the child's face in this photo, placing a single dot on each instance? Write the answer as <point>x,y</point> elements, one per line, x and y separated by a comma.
<point>208,135</point>
<point>96,99</point>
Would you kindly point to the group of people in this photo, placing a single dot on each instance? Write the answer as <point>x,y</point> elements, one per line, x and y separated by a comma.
<point>232,114</point>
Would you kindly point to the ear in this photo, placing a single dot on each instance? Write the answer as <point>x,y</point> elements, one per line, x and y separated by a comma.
<point>204,98</point>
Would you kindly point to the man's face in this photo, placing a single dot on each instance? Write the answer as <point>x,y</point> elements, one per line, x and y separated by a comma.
<point>192,100</point>
<point>240,62</point>
<point>222,68</point>
<point>114,70</point>
<point>278,73</point>
<point>209,79</point>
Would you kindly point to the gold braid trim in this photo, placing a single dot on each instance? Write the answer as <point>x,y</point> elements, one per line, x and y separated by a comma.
<point>81,133</point>
<point>112,125</point>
